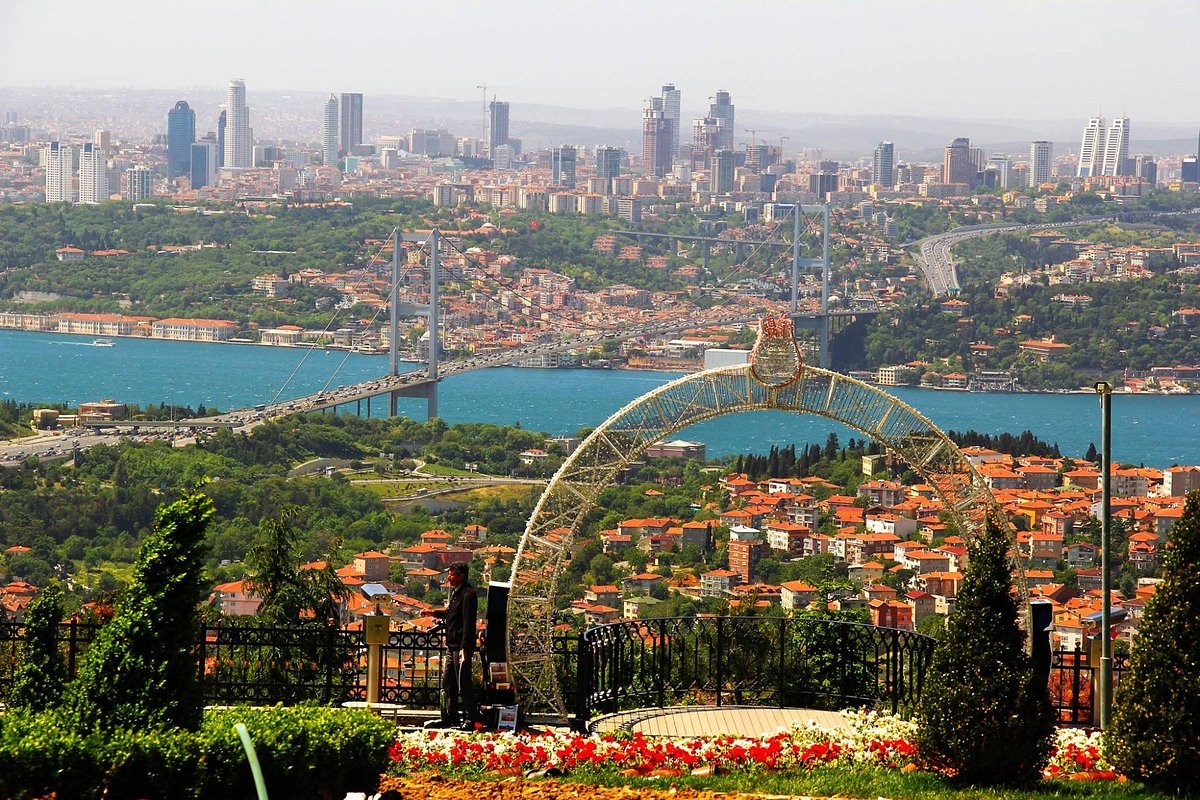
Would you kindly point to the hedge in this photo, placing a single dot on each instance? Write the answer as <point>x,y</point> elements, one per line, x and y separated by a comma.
<point>305,752</point>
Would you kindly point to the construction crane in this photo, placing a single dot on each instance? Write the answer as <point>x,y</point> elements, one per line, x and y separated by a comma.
<point>753,135</point>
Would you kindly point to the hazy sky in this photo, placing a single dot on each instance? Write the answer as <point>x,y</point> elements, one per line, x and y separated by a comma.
<point>1029,59</point>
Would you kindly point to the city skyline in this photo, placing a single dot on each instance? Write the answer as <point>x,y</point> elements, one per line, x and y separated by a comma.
<point>1004,75</point>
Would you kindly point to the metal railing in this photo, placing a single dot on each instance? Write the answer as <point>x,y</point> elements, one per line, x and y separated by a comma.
<point>778,661</point>
<point>1073,685</point>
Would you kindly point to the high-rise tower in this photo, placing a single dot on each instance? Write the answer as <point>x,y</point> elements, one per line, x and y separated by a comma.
<point>705,136</point>
<point>93,174</point>
<point>58,161</point>
<point>1091,149</point>
<point>329,132</point>
<point>139,183</point>
<point>497,126</point>
<point>239,148</point>
<point>957,166</point>
<point>722,110</point>
<point>883,166</point>
<point>351,127</point>
<point>1116,148</point>
<point>656,139</point>
<point>720,176</point>
<point>608,165</point>
<point>671,99</point>
<point>181,132</point>
<point>1041,154</point>
<point>222,124</point>
<point>562,166</point>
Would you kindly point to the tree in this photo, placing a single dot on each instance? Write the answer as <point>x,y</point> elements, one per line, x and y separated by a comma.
<point>982,717</point>
<point>39,678</point>
<point>1155,733</point>
<point>140,672</point>
<point>290,594</point>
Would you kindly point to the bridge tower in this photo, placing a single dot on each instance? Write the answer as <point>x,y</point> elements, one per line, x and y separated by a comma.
<point>427,388</point>
<point>821,322</point>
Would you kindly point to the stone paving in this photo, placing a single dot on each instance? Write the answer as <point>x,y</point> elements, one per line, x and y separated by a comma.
<point>709,720</point>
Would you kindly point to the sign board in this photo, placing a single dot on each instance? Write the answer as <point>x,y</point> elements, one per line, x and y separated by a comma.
<point>377,627</point>
<point>507,719</point>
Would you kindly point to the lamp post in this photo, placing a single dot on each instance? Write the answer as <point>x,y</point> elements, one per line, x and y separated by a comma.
<point>1104,389</point>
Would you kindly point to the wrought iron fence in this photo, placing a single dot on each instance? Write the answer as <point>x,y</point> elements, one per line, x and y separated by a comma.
<point>243,661</point>
<point>780,661</point>
<point>1073,685</point>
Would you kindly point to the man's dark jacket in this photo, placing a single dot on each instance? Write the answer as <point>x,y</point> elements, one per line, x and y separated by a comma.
<point>460,616</point>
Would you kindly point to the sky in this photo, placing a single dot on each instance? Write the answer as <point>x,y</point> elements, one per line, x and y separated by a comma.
<point>1007,59</point>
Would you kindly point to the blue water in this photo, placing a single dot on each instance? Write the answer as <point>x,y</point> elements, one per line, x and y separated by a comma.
<point>38,367</point>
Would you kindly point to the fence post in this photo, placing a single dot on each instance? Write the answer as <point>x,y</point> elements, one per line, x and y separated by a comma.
<point>330,643</point>
<point>661,646</point>
<point>782,650</point>
<point>583,685</point>
<point>720,658</point>
<point>72,643</point>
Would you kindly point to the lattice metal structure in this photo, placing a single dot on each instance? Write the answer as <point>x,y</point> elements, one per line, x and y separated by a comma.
<point>546,546</point>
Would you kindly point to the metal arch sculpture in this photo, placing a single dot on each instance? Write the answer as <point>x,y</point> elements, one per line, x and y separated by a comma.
<point>776,379</point>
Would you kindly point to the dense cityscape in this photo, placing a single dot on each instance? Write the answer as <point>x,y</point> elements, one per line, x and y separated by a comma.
<point>434,238</point>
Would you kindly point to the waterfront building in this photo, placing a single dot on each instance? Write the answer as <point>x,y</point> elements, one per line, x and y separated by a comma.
<point>883,172</point>
<point>239,146</point>
<point>722,110</point>
<point>139,183</point>
<point>497,127</point>
<point>1116,148</point>
<point>562,169</point>
<point>93,174</point>
<point>181,132</point>
<point>204,163</point>
<point>957,167</point>
<point>329,132</point>
<point>350,133</point>
<point>194,330</point>
<point>671,99</point>
<point>656,139</point>
<point>1041,154</point>
<point>1091,149</point>
<point>58,161</point>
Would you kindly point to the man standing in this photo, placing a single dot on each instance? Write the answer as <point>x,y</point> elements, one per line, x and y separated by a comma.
<point>460,615</point>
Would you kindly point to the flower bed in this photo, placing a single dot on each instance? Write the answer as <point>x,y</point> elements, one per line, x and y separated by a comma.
<point>872,739</point>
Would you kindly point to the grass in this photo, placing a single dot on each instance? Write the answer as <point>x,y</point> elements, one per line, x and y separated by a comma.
<point>400,488</point>
<point>438,469</point>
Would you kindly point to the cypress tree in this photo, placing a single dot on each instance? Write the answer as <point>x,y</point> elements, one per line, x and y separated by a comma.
<point>982,718</point>
<point>140,672</point>
<point>1155,732</point>
<point>41,674</point>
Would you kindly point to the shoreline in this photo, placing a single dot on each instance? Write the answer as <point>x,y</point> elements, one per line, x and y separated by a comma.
<point>640,368</point>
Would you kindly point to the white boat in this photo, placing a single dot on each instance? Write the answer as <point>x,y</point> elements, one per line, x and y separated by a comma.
<point>103,343</point>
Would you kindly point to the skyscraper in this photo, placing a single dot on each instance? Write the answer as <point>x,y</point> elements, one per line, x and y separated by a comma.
<point>497,127</point>
<point>58,160</point>
<point>181,132</point>
<point>705,135</point>
<point>1116,148</point>
<point>720,176</point>
<point>221,125</point>
<point>204,163</point>
<point>722,110</point>
<point>999,166</point>
<point>608,165</point>
<point>103,138</point>
<point>329,132</point>
<point>93,174</point>
<point>1145,168</point>
<point>671,98</point>
<point>239,149</point>
<point>1091,149</point>
<point>656,139</point>
<point>562,166</point>
<point>351,127</point>
<point>139,183</point>
<point>1041,154</point>
<point>883,167</point>
<point>957,166</point>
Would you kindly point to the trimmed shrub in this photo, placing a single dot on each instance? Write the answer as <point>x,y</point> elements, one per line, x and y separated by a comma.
<point>982,717</point>
<point>305,752</point>
<point>1155,732</point>
<point>42,672</point>
<point>141,671</point>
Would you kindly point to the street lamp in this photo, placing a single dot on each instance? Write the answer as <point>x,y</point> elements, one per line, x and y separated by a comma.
<point>1104,389</point>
